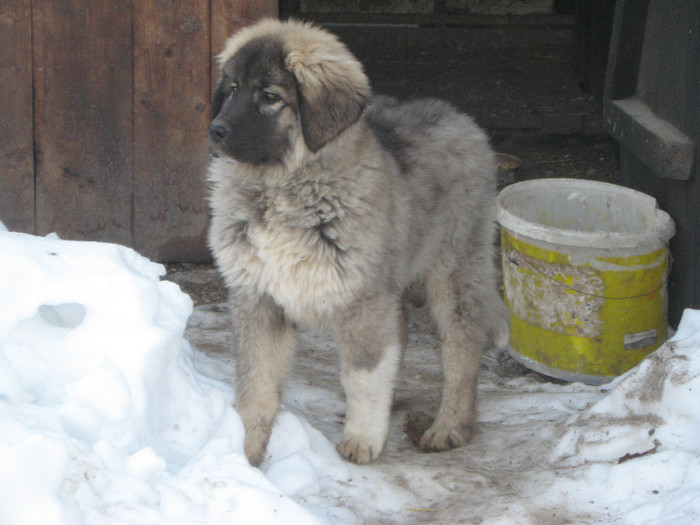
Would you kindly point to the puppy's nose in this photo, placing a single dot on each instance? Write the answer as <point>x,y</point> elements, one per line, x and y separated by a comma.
<point>217,132</point>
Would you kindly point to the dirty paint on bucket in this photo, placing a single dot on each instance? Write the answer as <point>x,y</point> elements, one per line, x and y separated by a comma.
<point>586,295</point>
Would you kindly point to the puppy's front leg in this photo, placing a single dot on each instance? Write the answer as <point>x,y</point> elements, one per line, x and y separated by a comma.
<point>265,348</point>
<point>370,351</point>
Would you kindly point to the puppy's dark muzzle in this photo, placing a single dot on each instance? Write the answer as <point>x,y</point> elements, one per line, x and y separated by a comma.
<point>217,132</point>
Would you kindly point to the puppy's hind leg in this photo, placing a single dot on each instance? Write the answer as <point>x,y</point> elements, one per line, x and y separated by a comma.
<point>456,301</point>
<point>266,343</point>
<point>370,340</point>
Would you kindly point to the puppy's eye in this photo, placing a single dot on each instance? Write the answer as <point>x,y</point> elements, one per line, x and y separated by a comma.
<point>270,97</point>
<point>233,87</point>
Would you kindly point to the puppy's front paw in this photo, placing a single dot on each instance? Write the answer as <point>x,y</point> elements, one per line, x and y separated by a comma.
<point>360,449</point>
<point>438,438</point>
<point>254,445</point>
<point>254,452</point>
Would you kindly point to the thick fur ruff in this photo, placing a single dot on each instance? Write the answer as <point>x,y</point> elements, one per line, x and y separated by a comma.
<point>328,205</point>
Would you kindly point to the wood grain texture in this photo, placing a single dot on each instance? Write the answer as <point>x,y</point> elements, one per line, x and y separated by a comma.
<point>16,126</point>
<point>228,16</point>
<point>83,119</point>
<point>171,119</point>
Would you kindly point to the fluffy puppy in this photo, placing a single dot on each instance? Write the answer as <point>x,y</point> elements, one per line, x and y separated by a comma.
<point>327,205</point>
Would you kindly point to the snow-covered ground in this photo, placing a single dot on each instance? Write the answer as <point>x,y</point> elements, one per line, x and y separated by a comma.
<point>115,408</point>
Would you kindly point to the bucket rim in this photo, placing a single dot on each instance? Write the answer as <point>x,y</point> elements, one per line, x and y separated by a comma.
<point>664,230</point>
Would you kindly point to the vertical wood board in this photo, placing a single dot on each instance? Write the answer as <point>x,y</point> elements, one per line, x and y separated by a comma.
<point>228,16</point>
<point>16,126</point>
<point>83,118</point>
<point>171,119</point>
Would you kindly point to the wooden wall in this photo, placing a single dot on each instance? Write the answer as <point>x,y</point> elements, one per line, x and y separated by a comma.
<point>104,113</point>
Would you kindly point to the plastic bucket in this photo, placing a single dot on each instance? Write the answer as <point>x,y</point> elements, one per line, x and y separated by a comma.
<point>585,265</point>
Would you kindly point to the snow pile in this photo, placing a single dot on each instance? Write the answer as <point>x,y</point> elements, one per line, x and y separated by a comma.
<point>103,418</point>
<point>655,407</point>
<point>641,442</point>
<point>109,416</point>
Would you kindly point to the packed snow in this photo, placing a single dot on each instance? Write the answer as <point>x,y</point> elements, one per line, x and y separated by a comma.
<point>116,408</point>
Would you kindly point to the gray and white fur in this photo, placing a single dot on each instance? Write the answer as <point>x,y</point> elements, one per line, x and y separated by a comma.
<point>327,206</point>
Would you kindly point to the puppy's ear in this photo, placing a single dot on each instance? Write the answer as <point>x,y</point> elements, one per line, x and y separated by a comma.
<point>333,88</point>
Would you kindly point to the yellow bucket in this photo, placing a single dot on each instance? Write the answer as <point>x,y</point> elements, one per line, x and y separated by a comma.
<point>585,265</point>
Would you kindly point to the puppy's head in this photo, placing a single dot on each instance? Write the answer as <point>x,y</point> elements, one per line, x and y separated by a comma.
<point>279,81</point>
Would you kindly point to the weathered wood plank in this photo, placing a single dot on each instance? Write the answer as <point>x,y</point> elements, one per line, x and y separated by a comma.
<point>171,118</point>
<point>83,118</point>
<point>668,151</point>
<point>228,16</point>
<point>16,135</point>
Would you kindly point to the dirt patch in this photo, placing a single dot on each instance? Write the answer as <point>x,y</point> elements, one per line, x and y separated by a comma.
<point>200,281</point>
